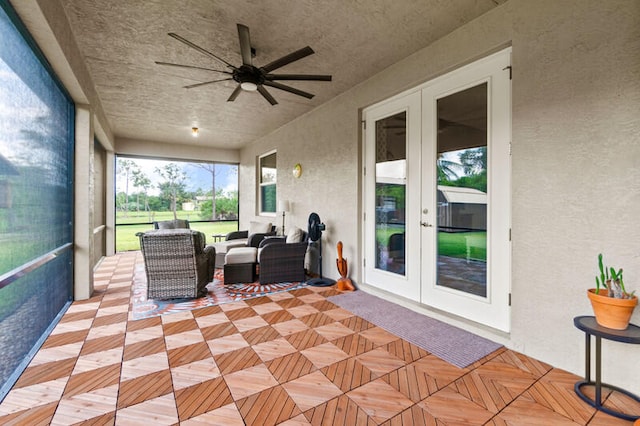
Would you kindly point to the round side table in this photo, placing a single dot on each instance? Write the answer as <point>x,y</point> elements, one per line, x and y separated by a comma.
<point>590,327</point>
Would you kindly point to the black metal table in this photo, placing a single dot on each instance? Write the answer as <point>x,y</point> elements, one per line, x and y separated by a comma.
<point>590,327</point>
<point>218,237</point>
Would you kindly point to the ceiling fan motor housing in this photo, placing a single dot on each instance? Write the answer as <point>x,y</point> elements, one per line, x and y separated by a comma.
<point>248,74</point>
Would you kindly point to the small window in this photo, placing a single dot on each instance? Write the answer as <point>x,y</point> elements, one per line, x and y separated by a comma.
<point>268,180</point>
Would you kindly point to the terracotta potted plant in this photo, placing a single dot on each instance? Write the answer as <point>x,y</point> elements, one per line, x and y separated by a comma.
<point>612,305</point>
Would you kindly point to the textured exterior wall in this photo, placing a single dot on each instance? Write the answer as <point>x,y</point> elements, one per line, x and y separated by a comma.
<point>575,163</point>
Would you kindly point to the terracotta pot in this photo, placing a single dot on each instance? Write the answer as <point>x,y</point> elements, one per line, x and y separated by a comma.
<point>610,312</point>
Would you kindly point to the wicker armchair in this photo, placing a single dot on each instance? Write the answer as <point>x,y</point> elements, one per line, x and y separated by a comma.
<point>172,224</point>
<point>177,263</point>
<point>281,261</point>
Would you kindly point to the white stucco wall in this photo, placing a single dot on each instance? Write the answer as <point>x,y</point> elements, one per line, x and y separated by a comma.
<point>575,163</point>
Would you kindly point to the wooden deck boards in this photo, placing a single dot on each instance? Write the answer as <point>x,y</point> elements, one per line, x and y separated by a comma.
<point>290,358</point>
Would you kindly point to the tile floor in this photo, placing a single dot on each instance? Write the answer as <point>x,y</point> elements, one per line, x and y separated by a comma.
<point>290,358</point>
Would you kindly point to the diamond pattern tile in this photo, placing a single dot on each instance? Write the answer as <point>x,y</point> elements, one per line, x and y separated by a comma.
<point>290,358</point>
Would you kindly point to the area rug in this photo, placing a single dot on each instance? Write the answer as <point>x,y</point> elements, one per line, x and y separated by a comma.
<point>452,344</point>
<point>218,293</point>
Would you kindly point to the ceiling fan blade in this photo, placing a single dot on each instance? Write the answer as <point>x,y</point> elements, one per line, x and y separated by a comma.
<point>245,44</point>
<point>267,95</point>
<point>287,59</point>
<point>191,67</point>
<point>288,89</point>
<point>235,94</point>
<point>200,49</point>
<point>302,77</point>
<point>191,86</point>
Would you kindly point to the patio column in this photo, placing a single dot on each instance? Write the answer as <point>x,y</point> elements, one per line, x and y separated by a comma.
<point>83,205</point>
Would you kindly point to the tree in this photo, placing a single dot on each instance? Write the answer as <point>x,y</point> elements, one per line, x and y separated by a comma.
<point>446,170</point>
<point>226,205</point>
<point>142,181</point>
<point>211,168</point>
<point>126,167</point>
<point>474,161</point>
<point>173,183</point>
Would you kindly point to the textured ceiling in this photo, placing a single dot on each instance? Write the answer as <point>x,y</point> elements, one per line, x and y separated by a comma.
<point>353,40</point>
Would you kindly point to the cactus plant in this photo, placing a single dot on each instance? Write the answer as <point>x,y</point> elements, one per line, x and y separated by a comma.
<point>612,281</point>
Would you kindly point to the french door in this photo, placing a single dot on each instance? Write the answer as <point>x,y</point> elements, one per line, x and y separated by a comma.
<point>437,193</point>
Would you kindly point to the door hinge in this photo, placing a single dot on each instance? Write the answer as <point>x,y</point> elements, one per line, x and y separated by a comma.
<point>364,217</point>
<point>364,124</point>
<point>509,299</point>
<point>509,234</point>
<point>509,148</point>
<point>508,67</point>
<point>364,263</point>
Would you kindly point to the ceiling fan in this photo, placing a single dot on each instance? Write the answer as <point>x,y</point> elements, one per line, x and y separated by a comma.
<point>249,77</point>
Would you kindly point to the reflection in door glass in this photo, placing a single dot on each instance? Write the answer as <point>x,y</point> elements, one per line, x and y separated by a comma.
<point>391,185</point>
<point>462,191</point>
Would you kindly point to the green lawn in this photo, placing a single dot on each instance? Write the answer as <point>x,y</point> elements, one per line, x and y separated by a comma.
<point>139,217</point>
<point>126,239</point>
<point>454,244</point>
<point>451,244</point>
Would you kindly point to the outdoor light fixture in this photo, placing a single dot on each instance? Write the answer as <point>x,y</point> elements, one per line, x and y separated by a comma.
<point>194,132</point>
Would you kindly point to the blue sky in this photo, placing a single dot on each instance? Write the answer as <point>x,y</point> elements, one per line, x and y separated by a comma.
<point>226,176</point>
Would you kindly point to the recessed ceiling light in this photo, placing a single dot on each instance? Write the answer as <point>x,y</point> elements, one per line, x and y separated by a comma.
<point>194,132</point>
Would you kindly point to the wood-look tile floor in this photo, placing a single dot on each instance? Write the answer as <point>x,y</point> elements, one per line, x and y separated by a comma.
<point>290,358</point>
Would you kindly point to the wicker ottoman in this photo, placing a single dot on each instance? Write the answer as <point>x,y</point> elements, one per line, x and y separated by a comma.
<point>240,265</point>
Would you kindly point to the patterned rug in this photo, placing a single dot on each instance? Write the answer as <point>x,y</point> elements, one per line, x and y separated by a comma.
<point>217,295</point>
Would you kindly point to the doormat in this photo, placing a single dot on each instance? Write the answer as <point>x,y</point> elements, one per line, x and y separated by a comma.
<point>452,344</point>
<point>218,294</point>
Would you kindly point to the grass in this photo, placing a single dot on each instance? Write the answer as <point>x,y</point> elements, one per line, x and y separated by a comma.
<point>128,226</point>
<point>451,244</point>
<point>143,217</point>
<point>126,239</point>
<point>454,244</point>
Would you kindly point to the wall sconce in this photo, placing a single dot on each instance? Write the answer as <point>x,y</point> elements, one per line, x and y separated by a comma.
<point>283,206</point>
<point>194,132</point>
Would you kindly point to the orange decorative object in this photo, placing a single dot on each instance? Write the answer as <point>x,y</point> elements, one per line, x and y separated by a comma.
<point>610,312</point>
<point>344,283</point>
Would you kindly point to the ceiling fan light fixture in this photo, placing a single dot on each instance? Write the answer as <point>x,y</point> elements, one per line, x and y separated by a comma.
<point>194,132</point>
<point>249,86</point>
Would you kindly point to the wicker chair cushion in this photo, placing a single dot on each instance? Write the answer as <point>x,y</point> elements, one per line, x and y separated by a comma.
<point>241,255</point>
<point>259,228</point>
<point>295,235</point>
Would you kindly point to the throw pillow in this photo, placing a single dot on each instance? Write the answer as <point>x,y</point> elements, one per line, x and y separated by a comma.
<point>259,228</point>
<point>295,235</point>
<point>167,224</point>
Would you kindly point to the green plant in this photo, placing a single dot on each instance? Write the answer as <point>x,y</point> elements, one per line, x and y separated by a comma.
<point>612,281</point>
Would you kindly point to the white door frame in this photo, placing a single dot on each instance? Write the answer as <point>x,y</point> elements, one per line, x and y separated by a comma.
<point>492,310</point>
<point>418,283</point>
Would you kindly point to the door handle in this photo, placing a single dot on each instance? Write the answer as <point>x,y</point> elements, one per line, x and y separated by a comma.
<point>425,224</point>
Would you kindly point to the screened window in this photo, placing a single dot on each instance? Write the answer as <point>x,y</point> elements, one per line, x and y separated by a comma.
<point>268,182</point>
<point>36,198</point>
<point>152,190</point>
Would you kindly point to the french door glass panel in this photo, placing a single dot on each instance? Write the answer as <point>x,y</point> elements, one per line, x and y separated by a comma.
<point>391,190</point>
<point>391,216</point>
<point>466,255</point>
<point>461,163</point>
